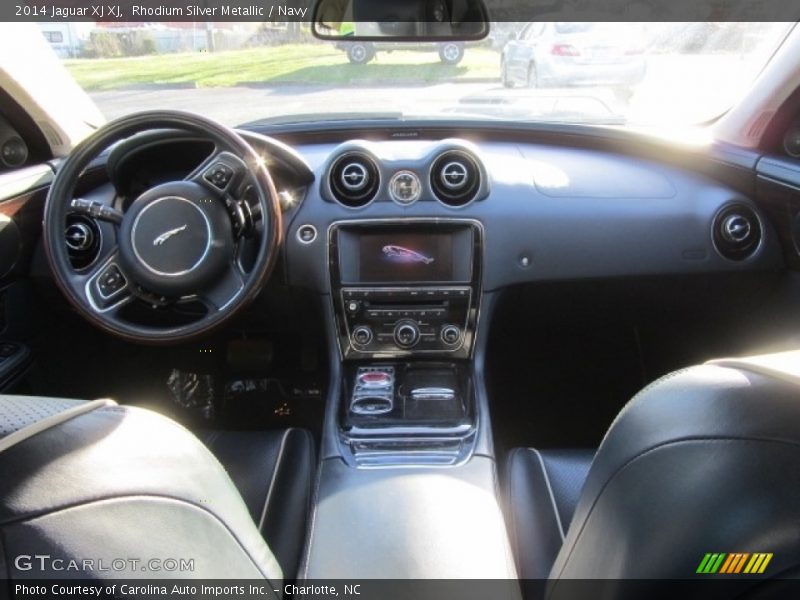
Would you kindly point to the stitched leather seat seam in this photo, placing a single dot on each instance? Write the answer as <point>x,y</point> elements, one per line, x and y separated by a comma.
<point>309,503</point>
<point>273,478</point>
<point>52,421</point>
<point>511,511</point>
<point>549,492</point>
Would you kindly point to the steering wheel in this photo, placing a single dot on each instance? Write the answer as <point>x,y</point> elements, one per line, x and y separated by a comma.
<point>178,242</point>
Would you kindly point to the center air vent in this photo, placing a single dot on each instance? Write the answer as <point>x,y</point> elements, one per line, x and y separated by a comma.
<point>737,231</point>
<point>82,236</point>
<point>455,178</point>
<point>354,179</point>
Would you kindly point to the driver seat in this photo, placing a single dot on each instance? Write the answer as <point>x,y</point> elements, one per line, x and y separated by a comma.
<point>94,481</point>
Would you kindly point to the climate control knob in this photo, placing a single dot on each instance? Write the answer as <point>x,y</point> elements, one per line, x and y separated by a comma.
<point>451,334</point>
<point>362,335</point>
<point>406,334</point>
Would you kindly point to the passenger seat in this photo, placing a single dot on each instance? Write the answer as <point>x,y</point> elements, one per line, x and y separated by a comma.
<point>706,459</point>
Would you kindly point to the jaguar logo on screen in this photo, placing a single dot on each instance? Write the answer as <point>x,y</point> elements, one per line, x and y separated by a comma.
<point>405,255</point>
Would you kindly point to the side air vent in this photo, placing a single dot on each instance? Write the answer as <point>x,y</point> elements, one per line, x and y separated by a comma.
<point>455,178</point>
<point>354,179</point>
<point>83,239</point>
<point>737,231</point>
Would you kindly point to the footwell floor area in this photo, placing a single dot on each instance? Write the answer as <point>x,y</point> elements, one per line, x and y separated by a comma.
<point>564,359</point>
<point>227,383</point>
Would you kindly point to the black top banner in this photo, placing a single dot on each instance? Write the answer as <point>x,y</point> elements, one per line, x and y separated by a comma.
<point>302,10</point>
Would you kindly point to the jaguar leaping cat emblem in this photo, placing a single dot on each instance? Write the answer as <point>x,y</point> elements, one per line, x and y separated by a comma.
<point>168,234</point>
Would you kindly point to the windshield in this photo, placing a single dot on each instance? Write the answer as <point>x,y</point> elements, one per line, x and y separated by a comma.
<point>625,74</point>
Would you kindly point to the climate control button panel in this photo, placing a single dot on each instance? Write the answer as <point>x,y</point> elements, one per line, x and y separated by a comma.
<point>406,320</point>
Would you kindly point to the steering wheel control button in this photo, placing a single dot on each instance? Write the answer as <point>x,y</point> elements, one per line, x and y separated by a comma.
<point>306,234</point>
<point>96,210</point>
<point>219,175</point>
<point>362,335</point>
<point>110,281</point>
<point>451,335</point>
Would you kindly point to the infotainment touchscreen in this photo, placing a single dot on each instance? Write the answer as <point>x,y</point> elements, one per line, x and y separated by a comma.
<point>400,254</point>
<point>400,257</point>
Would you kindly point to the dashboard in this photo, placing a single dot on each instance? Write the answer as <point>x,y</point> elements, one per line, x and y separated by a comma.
<point>406,227</point>
<point>386,222</point>
<point>547,212</point>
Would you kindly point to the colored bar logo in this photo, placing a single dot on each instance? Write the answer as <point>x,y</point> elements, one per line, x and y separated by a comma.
<point>734,563</point>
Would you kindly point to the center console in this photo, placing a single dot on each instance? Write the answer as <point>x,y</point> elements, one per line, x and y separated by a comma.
<point>407,487</point>
<point>406,298</point>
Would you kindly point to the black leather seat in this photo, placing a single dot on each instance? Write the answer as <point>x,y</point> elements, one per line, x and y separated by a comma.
<point>703,460</point>
<point>93,479</point>
<point>274,472</point>
<point>542,490</point>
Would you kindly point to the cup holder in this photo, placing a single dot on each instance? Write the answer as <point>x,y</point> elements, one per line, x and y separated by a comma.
<point>371,405</point>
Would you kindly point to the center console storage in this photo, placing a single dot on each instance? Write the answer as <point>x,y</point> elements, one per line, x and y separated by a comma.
<point>411,395</point>
<point>400,523</point>
<point>407,413</point>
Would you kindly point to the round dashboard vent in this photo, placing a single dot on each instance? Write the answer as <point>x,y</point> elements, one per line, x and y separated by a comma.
<point>737,231</point>
<point>455,178</point>
<point>83,238</point>
<point>354,179</point>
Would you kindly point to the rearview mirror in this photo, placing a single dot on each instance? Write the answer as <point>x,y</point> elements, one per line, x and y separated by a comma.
<point>400,20</point>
